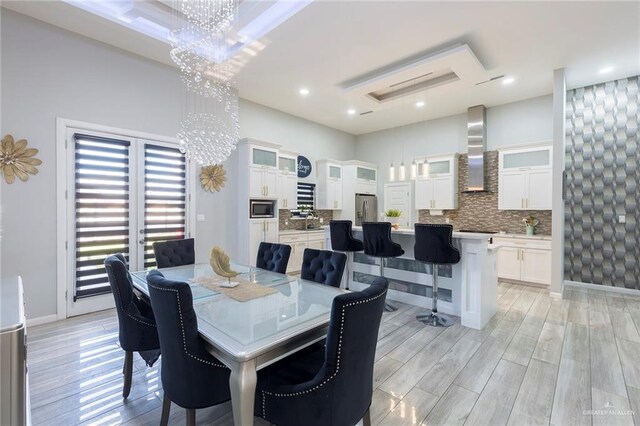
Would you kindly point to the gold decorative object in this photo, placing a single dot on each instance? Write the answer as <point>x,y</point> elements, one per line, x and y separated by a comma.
<point>220,264</point>
<point>213,177</point>
<point>17,160</point>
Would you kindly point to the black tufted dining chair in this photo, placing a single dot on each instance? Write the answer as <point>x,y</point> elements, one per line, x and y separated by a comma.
<point>273,257</point>
<point>191,377</point>
<point>323,266</point>
<point>174,253</point>
<point>332,385</point>
<point>137,330</point>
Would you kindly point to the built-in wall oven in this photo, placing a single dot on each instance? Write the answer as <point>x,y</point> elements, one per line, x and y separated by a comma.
<point>260,209</point>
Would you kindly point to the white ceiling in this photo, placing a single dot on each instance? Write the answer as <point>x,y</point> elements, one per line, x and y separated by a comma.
<point>330,42</point>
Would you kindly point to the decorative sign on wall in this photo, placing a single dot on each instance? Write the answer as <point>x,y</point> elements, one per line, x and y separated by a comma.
<point>213,177</point>
<point>304,166</point>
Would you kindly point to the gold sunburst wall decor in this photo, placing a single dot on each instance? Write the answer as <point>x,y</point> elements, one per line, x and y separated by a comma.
<point>213,177</point>
<point>17,160</point>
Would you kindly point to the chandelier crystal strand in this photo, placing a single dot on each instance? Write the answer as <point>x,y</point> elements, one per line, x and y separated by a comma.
<point>201,44</point>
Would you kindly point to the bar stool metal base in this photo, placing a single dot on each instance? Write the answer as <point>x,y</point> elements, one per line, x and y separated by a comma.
<point>388,307</point>
<point>435,319</point>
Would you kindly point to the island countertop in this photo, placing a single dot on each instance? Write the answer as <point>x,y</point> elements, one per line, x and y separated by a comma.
<point>456,234</point>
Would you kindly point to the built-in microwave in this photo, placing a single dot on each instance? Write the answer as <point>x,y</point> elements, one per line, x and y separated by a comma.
<point>262,208</point>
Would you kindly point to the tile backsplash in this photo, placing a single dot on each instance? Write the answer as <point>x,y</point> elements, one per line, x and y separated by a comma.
<point>479,211</point>
<point>285,215</point>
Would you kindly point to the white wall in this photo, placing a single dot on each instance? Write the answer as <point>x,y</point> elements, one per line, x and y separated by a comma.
<point>47,73</point>
<point>511,124</point>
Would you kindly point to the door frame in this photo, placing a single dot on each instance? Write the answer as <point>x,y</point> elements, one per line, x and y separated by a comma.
<point>64,205</point>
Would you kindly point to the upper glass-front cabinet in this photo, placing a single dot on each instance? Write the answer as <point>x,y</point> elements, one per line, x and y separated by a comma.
<point>526,158</point>
<point>263,157</point>
<point>287,164</point>
<point>335,172</point>
<point>432,167</point>
<point>366,174</point>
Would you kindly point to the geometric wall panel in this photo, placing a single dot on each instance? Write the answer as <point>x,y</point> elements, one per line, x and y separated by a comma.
<point>603,183</point>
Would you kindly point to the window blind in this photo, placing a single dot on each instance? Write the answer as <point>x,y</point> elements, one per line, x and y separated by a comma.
<point>164,197</point>
<point>101,209</point>
<point>306,195</point>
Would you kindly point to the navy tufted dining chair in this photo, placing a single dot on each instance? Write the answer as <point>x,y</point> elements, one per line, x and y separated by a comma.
<point>323,266</point>
<point>174,253</point>
<point>330,385</point>
<point>273,257</point>
<point>137,330</point>
<point>191,377</point>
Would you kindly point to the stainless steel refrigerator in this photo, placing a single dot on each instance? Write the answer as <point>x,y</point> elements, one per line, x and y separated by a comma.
<point>366,208</point>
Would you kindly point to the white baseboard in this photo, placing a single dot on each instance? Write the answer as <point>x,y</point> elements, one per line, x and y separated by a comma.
<point>555,295</point>
<point>41,320</point>
<point>602,287</point>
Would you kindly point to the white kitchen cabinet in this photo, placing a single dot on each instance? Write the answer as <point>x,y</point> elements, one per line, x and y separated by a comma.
<point>525,178</point>
<point>299,241</point>
<point>366,180</point>
<point>329,187</point>
<point>524,259</point>
<point>287,181</point>
<point>437,184</point>
<point>261,230</point>
<point>257,176</point>
<point>535,266</point>
<point>509,263</point>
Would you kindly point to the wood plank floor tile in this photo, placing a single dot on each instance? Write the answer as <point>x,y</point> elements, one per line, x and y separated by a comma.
<point>497,399</point>
<point>381,404</point>
<point>535,398</point>
<point>453,408</point>
<point>549,346</point>
<point>624,327</point>
<point>520,349</point>
<point>572,399</point>
<point>476,373</point>
<point>412,410</point>
<point>597,370</point>
<point>438,379</point>
<point>383,369</point>
<point>630,360</point>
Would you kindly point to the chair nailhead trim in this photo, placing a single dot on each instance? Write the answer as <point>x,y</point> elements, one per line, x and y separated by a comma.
<point>264,393</point>
<point>184,341</point>
<point>122,307</point>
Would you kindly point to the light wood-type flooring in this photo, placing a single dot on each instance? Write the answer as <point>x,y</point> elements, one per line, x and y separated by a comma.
<point>539,361</point>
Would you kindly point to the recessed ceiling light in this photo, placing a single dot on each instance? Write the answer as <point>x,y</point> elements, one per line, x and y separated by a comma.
<point>606,70</point>
<point>508,80</point>
<point>351,111</point>
<point>304,91</point>
<point>420,104</point>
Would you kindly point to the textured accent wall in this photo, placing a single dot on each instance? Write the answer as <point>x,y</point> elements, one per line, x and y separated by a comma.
<point>480,211</point>
<point>602,184</point>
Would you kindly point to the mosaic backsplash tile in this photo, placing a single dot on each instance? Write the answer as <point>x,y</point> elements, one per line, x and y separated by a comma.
<point>480,212</point>
<point>298,224</point>
<point>603,183</point>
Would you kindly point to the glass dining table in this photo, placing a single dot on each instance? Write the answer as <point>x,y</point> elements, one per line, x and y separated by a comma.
<point>247,336</point>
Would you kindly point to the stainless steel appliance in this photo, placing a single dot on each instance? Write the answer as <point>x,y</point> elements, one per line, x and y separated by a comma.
<point>366,208</point>
<point>262,209</point>
<point>14,392</point>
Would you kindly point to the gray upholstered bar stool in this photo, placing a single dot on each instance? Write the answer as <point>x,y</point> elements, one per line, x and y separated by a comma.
<point>433,244</point>
<point>378,243</point>
<point>342,240</point>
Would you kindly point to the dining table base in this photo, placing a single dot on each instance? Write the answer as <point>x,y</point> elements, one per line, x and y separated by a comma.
<point>242,384</point>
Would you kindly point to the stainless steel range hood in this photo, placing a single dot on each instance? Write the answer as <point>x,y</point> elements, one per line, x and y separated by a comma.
<point>476,146</point>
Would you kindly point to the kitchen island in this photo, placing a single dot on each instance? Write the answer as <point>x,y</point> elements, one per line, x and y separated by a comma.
<point>467,289</point>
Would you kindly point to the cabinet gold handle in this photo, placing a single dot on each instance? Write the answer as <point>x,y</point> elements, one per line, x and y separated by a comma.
<point>521,254</point>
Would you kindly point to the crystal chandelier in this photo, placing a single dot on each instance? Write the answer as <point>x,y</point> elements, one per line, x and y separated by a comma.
<point>201,45</point>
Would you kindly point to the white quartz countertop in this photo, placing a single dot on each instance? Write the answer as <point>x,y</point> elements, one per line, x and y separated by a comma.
<point>522,236</point>
<point>301,231</point>
<point>456,234</point>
